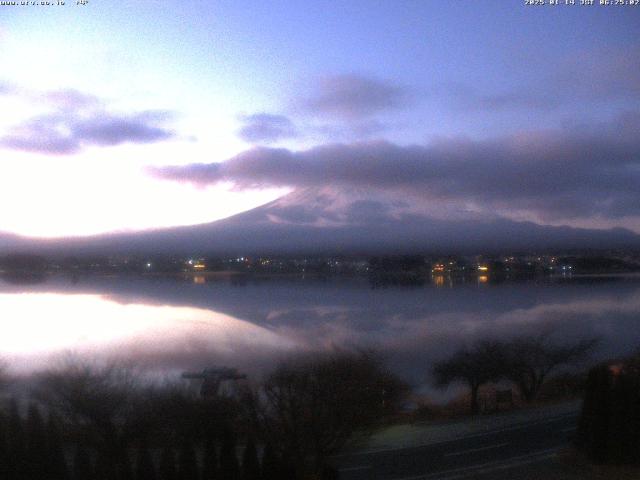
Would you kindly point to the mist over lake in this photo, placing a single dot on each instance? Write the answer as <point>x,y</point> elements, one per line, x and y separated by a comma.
<point>170,324</point>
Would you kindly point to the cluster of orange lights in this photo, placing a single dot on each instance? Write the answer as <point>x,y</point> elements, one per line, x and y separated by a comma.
<point>440,268</point>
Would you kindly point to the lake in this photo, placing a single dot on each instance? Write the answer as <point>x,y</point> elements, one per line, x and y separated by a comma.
<point>168,324</point>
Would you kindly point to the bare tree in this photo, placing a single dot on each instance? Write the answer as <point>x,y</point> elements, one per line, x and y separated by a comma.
<point>529,361</point>
<point>4,374</point>
<point>475,366</point>
<point>99,401</point>
<point>311,407</point>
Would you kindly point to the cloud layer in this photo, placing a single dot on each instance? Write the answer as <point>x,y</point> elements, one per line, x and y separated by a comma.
<point>266,128</point>
<point>353,97</point>
<point>75,120</point>
<point>565,174</point>
<point>340,107</point>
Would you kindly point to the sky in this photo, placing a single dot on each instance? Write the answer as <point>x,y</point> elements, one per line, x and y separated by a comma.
<point>127,115</point>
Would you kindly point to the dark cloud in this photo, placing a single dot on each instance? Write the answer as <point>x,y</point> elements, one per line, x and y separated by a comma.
<point>354,97</point>
<point>70,98</point>
<point>574,173</point>
<point>42,134</point>
<point>340,107</point>
<point>114,130</point>
<point>47,142</point>
<point>367,212</point>
<point>302,214</point>
<point>77,120</point>
<point>67,134</point>
<point>266,128</point>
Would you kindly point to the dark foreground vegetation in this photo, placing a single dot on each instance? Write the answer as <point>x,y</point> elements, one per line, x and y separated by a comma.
<point>109,423</point>
<point>609,428</point>
<point>525,362</point>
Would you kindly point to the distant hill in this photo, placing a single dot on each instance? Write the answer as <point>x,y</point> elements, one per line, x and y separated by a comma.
<point>336,221</point>
<point>9,242</point>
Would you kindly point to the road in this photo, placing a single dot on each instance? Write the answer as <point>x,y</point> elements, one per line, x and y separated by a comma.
<point>472,456</point>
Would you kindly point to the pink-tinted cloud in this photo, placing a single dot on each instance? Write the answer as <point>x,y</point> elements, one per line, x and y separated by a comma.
<point>572,173</point>
<point>77,120</point>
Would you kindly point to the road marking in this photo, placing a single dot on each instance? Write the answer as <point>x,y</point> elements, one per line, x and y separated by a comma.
<point>569,429</point>
<point>473,450</point>
<point>458,473</point>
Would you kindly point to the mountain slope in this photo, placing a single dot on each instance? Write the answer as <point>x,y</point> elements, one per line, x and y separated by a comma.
<point>330,220</point>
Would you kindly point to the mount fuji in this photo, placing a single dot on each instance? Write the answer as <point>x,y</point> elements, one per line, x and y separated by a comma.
<point>332,220</point>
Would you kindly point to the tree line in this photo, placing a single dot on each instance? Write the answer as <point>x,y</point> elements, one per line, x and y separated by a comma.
<point>32,449</point>
<point>524,361</point>
<point>110,422</point>
<point>106,422</point>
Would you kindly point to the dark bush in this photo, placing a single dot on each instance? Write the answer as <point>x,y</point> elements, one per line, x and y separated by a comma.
<point>250,464</point>
<point>311,406</point>
<point>229,466</point>
<point>609,427</point>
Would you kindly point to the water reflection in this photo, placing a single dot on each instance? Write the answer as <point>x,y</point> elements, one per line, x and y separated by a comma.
<point>42,326</point>
<point>438,280</point>
<point>171,323</point>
